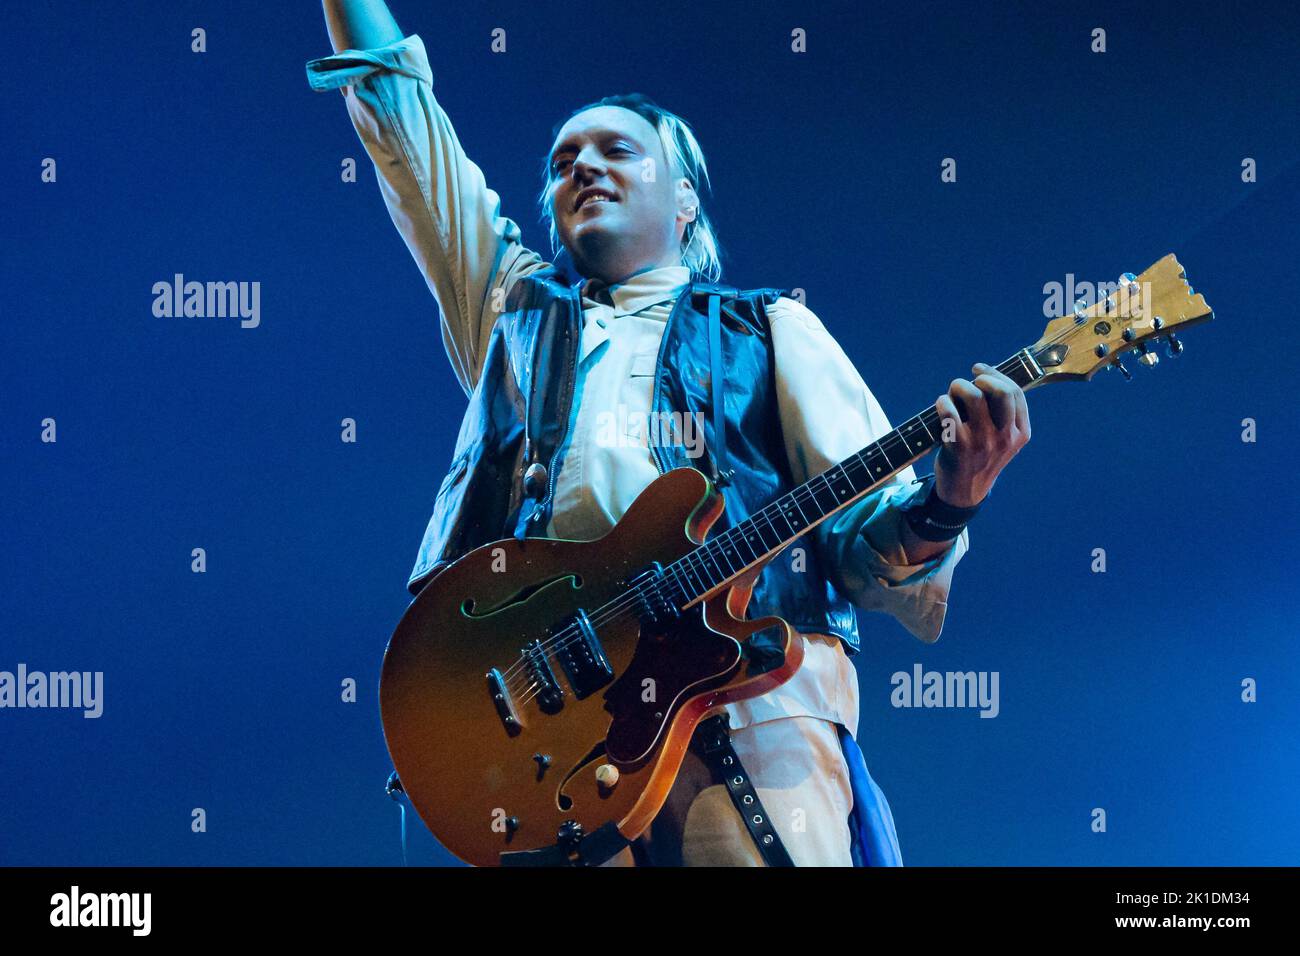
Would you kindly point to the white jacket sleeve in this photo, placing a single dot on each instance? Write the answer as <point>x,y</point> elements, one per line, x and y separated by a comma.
<point>828,414</point>
<point>438,199</point>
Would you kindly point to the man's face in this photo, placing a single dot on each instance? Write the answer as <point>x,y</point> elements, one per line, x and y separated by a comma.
<point>617,207</point>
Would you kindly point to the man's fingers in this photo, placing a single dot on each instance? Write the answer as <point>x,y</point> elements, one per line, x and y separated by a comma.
<point>1022,412</point>
<point>971,400</point>
<point>1006,397</point>
<point>1000,394</point>
<point>948,412</point>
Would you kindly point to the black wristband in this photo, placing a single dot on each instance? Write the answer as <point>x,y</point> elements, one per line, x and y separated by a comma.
<point>933,519</point>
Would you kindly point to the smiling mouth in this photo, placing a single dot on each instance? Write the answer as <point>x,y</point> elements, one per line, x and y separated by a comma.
<point>592,200</point>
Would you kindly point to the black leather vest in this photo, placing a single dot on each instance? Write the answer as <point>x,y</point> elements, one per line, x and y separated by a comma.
<point>519,411</point>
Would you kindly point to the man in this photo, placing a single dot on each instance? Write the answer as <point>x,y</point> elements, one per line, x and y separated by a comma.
<point>545,448</point>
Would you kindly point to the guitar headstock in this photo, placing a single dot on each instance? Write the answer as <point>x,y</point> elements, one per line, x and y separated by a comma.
<point>1140,311</point>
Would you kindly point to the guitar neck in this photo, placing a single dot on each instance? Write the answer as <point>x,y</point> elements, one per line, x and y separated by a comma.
<point>750,543</point>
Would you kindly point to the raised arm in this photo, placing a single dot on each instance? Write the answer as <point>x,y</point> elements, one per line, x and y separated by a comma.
<point>438,199</point>
<point>360,24</point>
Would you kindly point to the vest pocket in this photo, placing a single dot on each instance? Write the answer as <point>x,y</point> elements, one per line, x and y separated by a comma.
<point>637,427</point>
<point>457,471</point>
<point>643,363</point>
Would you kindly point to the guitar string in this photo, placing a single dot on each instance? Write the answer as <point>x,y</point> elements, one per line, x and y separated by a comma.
<point>662,586</point>
<point>679,579</point>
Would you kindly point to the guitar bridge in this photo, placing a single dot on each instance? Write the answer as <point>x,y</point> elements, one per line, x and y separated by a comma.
<point>502,701</point>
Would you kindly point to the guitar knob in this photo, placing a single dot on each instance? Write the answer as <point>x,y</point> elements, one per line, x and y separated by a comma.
<point>1128,376</point>
<point>569,833</point>
<point>1147,358</point>
<point>607,775</point>
<point>1175,346</point>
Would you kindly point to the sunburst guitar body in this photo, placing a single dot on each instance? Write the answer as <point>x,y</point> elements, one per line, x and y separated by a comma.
<point>518,714</point>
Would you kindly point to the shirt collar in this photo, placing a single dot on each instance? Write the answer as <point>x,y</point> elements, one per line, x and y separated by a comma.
<point>638,292</point>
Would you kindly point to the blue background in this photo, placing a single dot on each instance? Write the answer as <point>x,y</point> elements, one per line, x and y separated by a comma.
<point>1118,690</point>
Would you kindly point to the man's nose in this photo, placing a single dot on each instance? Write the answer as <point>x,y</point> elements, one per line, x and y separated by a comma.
<point>589,162</point>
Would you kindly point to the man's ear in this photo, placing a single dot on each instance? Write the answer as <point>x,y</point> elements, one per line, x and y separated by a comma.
<point>688,203</point>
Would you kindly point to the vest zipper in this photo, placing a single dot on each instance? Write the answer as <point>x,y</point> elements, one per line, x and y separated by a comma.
<point>550,482</point>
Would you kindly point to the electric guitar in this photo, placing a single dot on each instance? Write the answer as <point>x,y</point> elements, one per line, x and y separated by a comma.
<point>537,692</point>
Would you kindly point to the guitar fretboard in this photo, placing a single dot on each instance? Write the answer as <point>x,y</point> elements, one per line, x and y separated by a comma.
<point>733,552</point>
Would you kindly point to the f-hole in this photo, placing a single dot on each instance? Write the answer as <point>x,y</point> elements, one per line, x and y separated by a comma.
<point>562,799</point>
<point>469,607</point>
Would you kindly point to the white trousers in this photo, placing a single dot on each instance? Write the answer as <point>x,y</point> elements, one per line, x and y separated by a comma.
<point>798,770</point>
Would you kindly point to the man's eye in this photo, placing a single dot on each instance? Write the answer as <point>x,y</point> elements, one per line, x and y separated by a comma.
<point>559,166</point>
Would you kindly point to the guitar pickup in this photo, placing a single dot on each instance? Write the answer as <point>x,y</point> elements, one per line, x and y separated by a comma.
<point>548,693</point>
<point>581,655</point>
<point>654,606</point>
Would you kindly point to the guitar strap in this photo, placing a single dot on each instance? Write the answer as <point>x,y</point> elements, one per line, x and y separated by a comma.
<point>712,742</point>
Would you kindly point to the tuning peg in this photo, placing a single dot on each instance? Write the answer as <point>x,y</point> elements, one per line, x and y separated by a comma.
<point>1175,346</point>
<point>1080,311</point>
<point>1119,364</point>
<point>1147,357</point>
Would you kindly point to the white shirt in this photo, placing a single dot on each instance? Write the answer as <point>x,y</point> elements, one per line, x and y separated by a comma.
<point>471,256</point>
